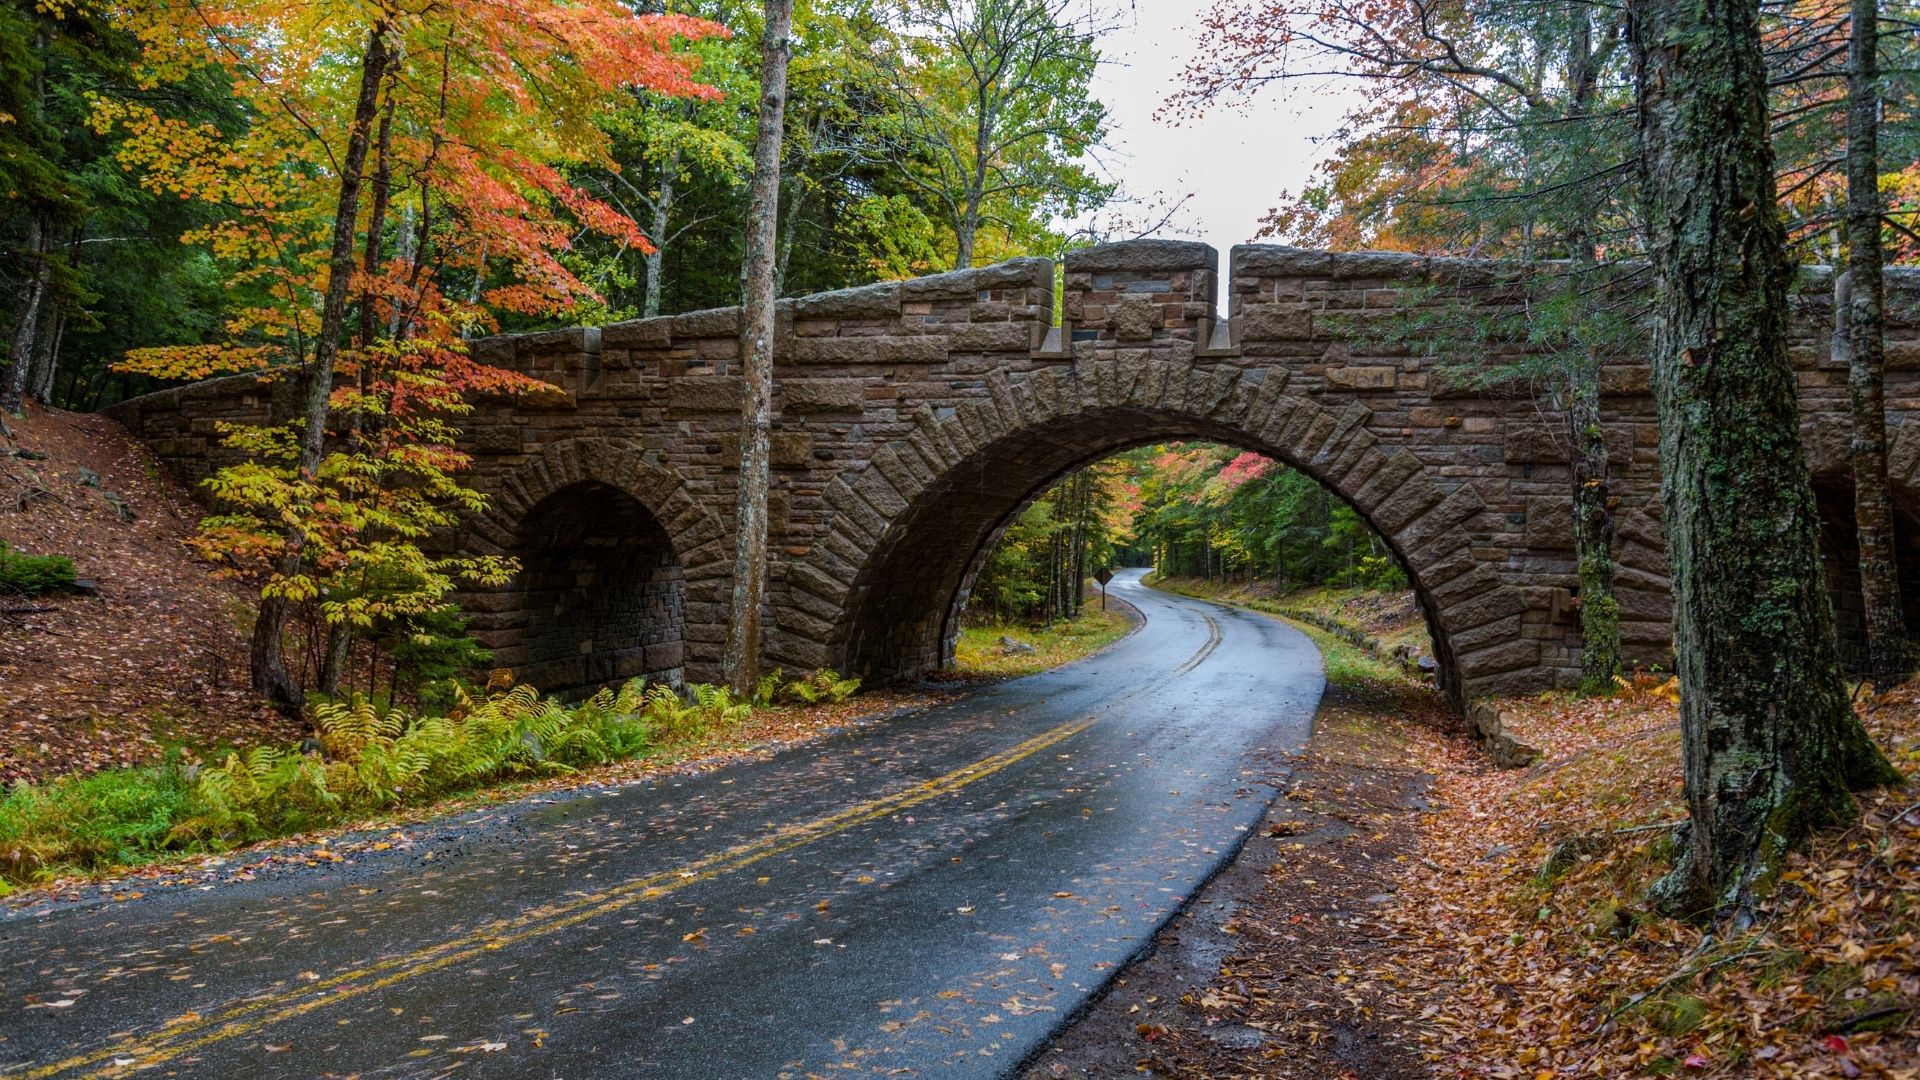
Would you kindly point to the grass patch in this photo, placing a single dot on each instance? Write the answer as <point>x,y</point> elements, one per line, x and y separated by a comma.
<point>1350,666</point>
<point>979,651</point>
<point>369,761</point>
<point>1347,665</point>
<point>30,575</point>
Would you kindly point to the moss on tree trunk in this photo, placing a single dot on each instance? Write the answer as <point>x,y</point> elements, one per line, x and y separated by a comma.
<point>1592,533</point>
<point>1771,745</point>
<point>1859,343</point>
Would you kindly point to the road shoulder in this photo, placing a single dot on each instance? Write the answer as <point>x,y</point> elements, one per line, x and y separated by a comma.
<point>1275,969</point>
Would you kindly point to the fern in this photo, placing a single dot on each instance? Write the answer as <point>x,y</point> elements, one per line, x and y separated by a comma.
<point>821,686</point>
<point>767,688</point>
<point>370,760</point>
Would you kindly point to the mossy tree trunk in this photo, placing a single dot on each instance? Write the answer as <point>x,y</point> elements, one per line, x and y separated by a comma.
<point>1771,745</point>
<point>1593,530</point>
<point>1860,344</point>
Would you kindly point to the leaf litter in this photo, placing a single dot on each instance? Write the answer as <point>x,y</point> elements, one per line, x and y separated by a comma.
<point>1497,929</point>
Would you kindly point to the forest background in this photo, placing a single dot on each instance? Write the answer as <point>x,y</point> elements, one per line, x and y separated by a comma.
<point>169,199</point>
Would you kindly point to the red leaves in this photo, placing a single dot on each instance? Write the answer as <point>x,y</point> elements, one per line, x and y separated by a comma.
<point>488,101</point>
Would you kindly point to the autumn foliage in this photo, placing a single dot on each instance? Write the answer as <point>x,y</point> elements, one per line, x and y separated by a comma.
<point>428,148</point>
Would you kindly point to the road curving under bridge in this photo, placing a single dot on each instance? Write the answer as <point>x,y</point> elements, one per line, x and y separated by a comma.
<point>931,896</point>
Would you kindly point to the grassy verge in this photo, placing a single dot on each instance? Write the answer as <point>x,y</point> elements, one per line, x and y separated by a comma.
<point>1392,619</point>
<point>980,653</point>
<point>1347,665</point>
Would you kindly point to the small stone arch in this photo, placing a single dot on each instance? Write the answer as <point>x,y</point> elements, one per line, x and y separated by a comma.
<point>617,576</point>
<point>879,594</point>
<point>1829,457</point>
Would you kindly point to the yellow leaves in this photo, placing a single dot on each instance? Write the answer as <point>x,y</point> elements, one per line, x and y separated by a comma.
<point>196,361</point>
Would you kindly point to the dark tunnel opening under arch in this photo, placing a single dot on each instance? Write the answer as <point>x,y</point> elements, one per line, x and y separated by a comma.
<point>600,596</point>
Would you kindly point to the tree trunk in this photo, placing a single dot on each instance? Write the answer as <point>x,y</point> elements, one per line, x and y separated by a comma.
<point>1859,341</point>
<point>376,236</point>
<point>47,363</point>
<point>1082,532</point>
<point>269,669</point>
<point>662,214</point>
<point>789,229</point>
<point>742,656</point>
<point>26,320</point>
<point>1592,530</point>
<point>333,663</point>
<point>1771,746</point>
<point>964,231</point>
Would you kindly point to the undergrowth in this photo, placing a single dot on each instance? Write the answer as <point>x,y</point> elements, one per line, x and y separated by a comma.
<point>1526,930</point>
<point>21,573</point>
<point>821,687</point>
<point>368,760</point>
<point>980,652</point>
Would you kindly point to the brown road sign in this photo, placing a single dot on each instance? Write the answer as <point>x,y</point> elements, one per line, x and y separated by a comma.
<point>1103,575</point>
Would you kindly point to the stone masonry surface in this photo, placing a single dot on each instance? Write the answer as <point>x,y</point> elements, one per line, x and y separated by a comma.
<point>914,418</point>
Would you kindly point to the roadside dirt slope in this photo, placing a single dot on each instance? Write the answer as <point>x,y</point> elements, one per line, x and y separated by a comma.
<point>158,657</point>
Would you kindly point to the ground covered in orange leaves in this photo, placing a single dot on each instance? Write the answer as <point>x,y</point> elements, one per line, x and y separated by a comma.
<point>158,657</point>
<point>1501,932</point>
<point>1527,936</point>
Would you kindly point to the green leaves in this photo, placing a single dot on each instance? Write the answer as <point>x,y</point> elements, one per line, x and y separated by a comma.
<point>369,758</point>
<point>30,574</point>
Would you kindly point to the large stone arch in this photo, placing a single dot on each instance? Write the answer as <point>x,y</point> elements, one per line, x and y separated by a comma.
<point>879,594</point>
<point>620,569</point>
<point>1141,340</point>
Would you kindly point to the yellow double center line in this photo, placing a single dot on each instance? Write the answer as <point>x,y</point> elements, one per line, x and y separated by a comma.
<point>1214,635</point>
<point>194,1032</point>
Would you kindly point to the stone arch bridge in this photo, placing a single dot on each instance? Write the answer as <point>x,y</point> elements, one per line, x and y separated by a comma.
<point>915,418</point>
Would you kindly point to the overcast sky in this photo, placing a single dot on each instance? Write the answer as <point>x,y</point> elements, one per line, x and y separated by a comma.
<point>1234,163</point>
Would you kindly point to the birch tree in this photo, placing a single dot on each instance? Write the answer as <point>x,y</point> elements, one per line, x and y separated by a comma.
<point>742,656</point>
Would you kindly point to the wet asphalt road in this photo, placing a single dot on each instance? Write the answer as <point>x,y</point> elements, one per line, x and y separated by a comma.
<point>931,896</point>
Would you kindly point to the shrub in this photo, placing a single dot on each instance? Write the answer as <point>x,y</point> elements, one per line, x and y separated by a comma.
<point>31,574</point>
<point>109,817</point>
<point>822,685</point>
<point>369,759</point>
<point>429,650</point>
